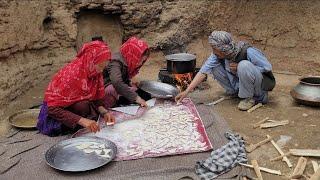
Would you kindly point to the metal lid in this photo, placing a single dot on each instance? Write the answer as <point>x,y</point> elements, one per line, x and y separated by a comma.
<point>181,57</point>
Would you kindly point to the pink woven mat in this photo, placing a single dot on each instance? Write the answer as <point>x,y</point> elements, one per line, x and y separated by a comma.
<point>165,129</point>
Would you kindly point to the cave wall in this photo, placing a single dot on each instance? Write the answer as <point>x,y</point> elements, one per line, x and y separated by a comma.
<point>40,36</point>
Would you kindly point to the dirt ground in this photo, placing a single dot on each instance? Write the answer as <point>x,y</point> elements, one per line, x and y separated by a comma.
<point>303,130</point>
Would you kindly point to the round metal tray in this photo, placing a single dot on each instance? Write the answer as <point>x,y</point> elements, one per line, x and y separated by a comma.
<point>65,156</point>
<point>158,89</point>
<point>24,119</point>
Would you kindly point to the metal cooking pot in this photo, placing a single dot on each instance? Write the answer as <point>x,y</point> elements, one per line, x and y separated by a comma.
<point>181,63</point>
<point>307,91</point>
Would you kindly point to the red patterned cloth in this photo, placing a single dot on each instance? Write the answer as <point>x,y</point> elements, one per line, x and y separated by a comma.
<point>79,79</point>
<point>132,51</point>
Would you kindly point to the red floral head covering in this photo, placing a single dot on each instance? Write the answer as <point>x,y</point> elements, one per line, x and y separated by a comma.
<point>79,79</point>
<point>132,51</point>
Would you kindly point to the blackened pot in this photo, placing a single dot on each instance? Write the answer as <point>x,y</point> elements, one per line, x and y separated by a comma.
<point>307,92</point>
<point>181,63</point>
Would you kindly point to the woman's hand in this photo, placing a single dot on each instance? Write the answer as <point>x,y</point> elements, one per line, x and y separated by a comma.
<point>134,83</point>
<point>91,125</point>
<point>109,119</point>
<point>233,67</point>
<point>194,83</point>
<point>181,96</point>
<point>141,101</point>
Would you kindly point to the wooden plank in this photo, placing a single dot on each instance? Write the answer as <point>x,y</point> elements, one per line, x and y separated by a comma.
<point>270,171</point>
<point>256,169</point>
<point>316,175</point>
<point>274,124</point>
<point>299,169</point>
<point>255,146</point>
<point>305,152</point>
<point>254,107</point>
<point>285,159</point>
<point>315,166</point>
<point>260,122</point>
<point>280,157</point>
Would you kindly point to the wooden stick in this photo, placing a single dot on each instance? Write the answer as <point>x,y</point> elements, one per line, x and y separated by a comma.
<point>316,175</point>
<point>255,146</point>
<point>305,152</point>
<point>13,133</point>
<point>19,140</point>
<point>216,101</point>
<point>269,120</point>
<point>256,169</point>
<point>274,124</point>
<point>25,150</point>
<point>306,176</point>
<point>299,169</point>
<point>260,122</point>
<point>281,152</point>
<point>280,157</point>
<point>271,171</point>
<point>254,107</point>
<point>285,72</point>
<point>315,166</point>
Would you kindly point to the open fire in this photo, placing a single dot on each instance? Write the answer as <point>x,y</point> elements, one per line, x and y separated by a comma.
<point>180,70</point>
<point>183,80</point>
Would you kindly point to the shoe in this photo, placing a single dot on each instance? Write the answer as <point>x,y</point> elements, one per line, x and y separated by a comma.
<point>246,104</point>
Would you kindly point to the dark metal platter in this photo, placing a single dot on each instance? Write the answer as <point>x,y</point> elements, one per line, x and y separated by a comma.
<point>65,156</point>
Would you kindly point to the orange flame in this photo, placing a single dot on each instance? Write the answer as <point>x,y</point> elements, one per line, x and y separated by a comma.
<point>183,80</point>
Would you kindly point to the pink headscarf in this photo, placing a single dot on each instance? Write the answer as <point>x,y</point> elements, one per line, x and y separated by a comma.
<point>132,51</point>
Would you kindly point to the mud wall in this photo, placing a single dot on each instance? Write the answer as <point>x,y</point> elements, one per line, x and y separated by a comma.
<point>39,36</point>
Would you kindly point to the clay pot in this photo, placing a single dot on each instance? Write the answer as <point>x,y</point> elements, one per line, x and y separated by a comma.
<point>307,92</point>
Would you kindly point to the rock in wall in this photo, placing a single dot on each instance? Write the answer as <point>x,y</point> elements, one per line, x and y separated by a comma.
<point>34,40</point>
<point>287,31</point>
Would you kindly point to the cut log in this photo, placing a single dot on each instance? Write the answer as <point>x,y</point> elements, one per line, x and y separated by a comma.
<point>254,107</point>
<point>305,152</point>
<point>256,169</point>
<point>299,169</point>
<point>270,171</point>
<point>285,159</point>
<point>274,124</point>
<point>315,166</point>
<point>255,146</point>
<point>260,122</point>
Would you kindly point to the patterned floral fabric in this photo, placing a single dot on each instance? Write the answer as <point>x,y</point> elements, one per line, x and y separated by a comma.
<point>79,79</point>
<point>132,51</point>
